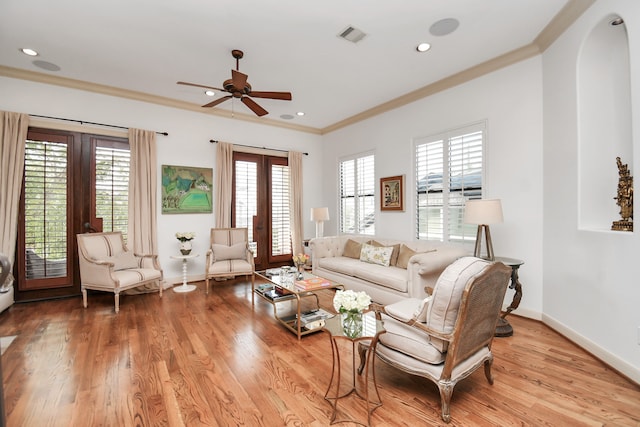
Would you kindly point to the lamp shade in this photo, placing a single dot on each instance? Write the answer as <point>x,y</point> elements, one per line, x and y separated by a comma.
<point>319,214</point>
<point>486,211</point>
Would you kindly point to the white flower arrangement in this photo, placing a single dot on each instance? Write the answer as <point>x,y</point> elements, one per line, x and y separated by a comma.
<point>185,237</point>
<point>351,301</point>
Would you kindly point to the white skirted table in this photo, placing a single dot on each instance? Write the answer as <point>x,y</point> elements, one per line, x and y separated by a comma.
<point>184,287</point>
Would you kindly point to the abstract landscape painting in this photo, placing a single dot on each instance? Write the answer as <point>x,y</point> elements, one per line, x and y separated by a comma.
<point>186,190</point>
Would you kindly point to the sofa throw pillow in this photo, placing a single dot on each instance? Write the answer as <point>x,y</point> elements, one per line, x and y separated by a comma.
<point>352,249</point>
<point>404,255</point>
<point>376,255</point>
<point>224,252</point>
<point>394,254</point>
<point>123,261</point>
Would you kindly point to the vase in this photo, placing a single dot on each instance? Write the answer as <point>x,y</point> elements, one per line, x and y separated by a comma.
<point>352,323</point>
<point>300,271</point>
<point>185,247</point>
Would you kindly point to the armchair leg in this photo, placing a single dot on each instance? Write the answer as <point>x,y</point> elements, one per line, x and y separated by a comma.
<point>160,286</point>
<point>207,286</point>
<point>84,297</point>
<point>487,370</point>
<point>446,391</point>
<point>117,301</point>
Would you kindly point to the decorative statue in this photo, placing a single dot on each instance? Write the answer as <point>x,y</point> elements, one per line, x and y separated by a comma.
<point>624,198</point>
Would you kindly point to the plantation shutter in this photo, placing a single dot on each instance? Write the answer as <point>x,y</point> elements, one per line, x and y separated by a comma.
<point>246,196</point>
<point>112,188</point>
<point>45,209</point>
<point>357,195</point>
<point>449,171</point>
<point>280,224</point>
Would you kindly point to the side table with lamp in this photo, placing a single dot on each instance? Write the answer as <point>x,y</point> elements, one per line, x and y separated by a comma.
<point>484,212</point>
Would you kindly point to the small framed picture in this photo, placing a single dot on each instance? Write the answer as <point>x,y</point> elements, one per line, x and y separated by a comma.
<point>392,193</point>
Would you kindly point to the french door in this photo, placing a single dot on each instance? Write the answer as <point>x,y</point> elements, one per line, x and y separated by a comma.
<point>261,203</point>
<point>73,183</point>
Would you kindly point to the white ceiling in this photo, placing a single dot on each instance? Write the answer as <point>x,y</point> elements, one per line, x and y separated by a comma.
<point>149,45</point>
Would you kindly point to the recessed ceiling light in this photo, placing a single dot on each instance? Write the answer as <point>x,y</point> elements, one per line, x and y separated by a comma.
<point>423,47</point>
<point>286,116</point>
<point>300,113</point>
<point>617,21</point>
<point>209,92</point>
<point>28,51</point>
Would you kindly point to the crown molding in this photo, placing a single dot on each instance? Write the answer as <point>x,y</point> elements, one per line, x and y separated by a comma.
<point>144,97</point>
<point>572,10</point>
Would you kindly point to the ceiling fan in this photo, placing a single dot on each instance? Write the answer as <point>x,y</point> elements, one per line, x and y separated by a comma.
<point>238,87</point>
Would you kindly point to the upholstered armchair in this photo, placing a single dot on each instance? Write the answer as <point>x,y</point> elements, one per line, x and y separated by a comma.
<point>107,265</point>
<point>229,255</point>
<point>448,335</point>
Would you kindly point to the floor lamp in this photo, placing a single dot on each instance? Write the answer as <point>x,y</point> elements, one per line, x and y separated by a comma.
<point>319,215</point>
<point>483,213</point>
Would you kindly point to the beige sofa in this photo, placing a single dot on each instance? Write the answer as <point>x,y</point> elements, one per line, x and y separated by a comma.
<point>412,270</point>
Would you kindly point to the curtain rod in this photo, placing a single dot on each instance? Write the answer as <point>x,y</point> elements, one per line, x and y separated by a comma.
<point>215,141</point>
<point>82,122</point>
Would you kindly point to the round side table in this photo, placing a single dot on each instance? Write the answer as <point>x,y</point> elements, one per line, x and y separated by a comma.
<point>184,287</point>
<point>372,328</point>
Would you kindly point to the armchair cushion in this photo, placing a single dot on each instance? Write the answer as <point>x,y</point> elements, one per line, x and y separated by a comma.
<point>410,341</point>
<point>122,261</point>
<point>445,301</point>
<point>224,252</point>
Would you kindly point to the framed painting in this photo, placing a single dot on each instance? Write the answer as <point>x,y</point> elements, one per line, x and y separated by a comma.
<point>186,190</point>
<point>392,193</point>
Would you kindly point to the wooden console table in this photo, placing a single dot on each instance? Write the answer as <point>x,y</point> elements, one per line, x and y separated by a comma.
<point>504,328</point>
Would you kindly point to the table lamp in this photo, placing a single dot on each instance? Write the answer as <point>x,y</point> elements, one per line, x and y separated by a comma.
<point>319,215</point>
<point>483,212</point>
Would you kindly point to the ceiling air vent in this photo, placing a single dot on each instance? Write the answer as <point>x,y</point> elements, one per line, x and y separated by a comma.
<point>352,34</point>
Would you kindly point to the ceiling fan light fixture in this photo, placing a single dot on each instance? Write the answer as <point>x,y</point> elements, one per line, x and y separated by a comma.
<point>210,92</point>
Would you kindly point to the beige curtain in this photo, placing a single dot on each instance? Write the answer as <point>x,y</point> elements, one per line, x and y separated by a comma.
<point>224,184</point>
<point>295,207</point>
<point>13,134</point>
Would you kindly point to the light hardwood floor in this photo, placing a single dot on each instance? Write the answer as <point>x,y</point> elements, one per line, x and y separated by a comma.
<point>213,360</point>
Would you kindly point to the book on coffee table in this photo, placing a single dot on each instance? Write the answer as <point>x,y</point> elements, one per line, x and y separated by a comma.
<point>312,284</point>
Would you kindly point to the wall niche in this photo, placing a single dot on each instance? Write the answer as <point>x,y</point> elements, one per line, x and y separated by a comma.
<point>604,120</point>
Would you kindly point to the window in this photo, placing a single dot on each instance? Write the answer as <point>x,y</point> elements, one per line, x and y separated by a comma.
<point>449,171</point>
<point>357,195</point>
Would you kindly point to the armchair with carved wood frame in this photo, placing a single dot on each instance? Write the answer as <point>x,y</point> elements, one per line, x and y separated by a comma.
<point>448,335</point>
<point>229,255</point>
<point>107,265</point>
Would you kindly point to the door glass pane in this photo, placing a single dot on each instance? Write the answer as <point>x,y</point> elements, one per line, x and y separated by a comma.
<point>246,196</point>
<point>280,227</point>
<point>45,211</point>
<point>112,188</point>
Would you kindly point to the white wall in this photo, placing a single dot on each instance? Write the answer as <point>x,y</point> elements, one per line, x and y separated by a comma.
<point>187,144</point>
<point>510,101</point>
<point>591,278</point>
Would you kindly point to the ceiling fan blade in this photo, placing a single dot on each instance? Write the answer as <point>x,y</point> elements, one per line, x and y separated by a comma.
<point>238,79</point>
<point>254,106</point>
<point>202,86</point>
<point>271,95</point>
<point>218,101</point>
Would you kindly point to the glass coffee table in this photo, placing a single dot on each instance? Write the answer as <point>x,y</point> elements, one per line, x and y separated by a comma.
<point>282,288</point>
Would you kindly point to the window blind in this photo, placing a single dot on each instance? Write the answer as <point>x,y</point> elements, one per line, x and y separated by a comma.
<point>357,195</point>
<point>46,222</point>
<point>449,171</point>
<point>112,188</point>
<point>280,223</point>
